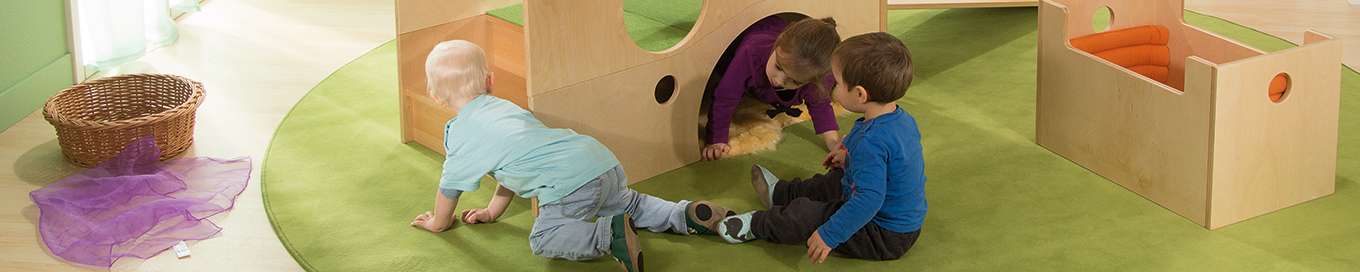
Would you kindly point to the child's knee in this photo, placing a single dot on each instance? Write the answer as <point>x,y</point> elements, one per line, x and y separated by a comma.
<point>537,245</point>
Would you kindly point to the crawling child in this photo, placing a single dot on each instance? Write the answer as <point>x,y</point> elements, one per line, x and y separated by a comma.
<point>575,178</point>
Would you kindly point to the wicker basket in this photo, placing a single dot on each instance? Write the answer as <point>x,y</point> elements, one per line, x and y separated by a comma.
<point>97,119</point>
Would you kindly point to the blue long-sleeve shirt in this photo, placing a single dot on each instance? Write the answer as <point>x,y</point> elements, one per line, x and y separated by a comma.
<point>884,178</point>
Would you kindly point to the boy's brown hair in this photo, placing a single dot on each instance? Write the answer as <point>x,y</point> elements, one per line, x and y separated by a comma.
<point>876,61</point>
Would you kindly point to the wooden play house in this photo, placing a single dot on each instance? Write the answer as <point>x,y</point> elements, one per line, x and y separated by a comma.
<point>1184,117</point>
<point>574,65</point>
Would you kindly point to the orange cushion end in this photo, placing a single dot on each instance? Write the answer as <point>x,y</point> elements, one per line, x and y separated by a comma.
<point>1140,49</point>
<point>1137,55</point>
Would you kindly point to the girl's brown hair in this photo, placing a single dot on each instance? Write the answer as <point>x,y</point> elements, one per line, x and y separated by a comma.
<point>805,48</point>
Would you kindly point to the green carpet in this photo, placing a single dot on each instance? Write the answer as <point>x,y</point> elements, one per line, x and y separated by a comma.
<point>340,190</point>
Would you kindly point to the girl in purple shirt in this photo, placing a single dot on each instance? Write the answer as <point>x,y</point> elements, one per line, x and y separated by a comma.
<point>781,64</point>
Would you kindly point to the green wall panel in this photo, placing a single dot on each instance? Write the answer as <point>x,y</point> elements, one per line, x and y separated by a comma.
<point>34,60</point>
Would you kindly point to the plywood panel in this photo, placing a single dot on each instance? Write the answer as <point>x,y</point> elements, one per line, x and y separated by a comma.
<point>508,40</point>
<point>1125,14</point>
<point>1194,41</point>
<point>412,50</point>
<point>1132,130</point>
<point>415,15</point>
<point>939,4</point>
<point>510,87</point>
<point>588,40</point>
<point>423,121</point>
<point>647,137</point>
<point>589,76</point>
<point>1287,19</point>
<point>1220,151</point>
<point>1270,155</point>
<point>428,124</point>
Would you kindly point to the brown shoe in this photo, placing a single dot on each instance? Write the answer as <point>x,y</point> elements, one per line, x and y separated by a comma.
<point>703,217</point>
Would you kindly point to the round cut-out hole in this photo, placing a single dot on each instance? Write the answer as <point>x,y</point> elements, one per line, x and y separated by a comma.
<point>1279,87</point>
<point>658,25</point>
<point>665,89</point>
<point>1102,19</point>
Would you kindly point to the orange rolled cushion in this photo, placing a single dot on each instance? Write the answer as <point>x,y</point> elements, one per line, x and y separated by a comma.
<point>1137,55</point>
<point>1150,34</point>
<point>1140,49</point>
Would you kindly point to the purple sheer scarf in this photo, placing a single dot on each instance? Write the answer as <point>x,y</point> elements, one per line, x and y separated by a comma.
<point>135,206</point>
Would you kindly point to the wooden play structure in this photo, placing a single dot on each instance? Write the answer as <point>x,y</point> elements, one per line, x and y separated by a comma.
<point>937,4</point>
<point>574,66</point>
<point>1206,141</point>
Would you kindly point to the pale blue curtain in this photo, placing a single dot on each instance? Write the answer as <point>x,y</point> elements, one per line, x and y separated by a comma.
<point>114,32</point>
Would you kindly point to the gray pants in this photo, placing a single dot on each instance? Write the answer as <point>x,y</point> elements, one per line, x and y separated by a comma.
<point>563,228</point>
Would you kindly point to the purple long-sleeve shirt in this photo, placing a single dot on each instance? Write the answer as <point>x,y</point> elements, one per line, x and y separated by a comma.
<point>747,74</point>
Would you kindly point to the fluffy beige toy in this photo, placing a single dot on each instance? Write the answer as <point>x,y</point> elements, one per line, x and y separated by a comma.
<point>753,131</point>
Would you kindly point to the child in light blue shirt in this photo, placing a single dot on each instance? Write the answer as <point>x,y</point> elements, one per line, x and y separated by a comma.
<point>574,177</point>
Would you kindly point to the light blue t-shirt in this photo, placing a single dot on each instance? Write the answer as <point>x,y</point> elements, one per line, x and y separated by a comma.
<point>492,135</point>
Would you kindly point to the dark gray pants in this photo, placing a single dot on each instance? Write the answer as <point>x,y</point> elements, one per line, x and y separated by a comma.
<point>802,206</point>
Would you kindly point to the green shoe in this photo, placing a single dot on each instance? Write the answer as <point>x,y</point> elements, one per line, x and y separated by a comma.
<point>624,245</point>
<point>702,217</point>
<point>736,229</point>
<point>763,181</point>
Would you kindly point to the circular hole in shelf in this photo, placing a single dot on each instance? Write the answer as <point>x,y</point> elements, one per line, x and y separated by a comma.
<point>665,89</point>
<point>658,25</point>
<point>1102,19</point>
<point>1279,87</point>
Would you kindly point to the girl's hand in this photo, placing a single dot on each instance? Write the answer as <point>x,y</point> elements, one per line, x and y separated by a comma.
<point>428,221</point>
<point>832,139</point>
<point>474,216</point>
<point>715,151</point>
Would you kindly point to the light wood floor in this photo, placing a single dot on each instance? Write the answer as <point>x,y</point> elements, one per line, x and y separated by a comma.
<point>258,57</point>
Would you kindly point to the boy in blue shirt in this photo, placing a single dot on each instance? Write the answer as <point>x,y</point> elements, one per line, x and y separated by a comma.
<point>574,177</point>
<point>871,203</point>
